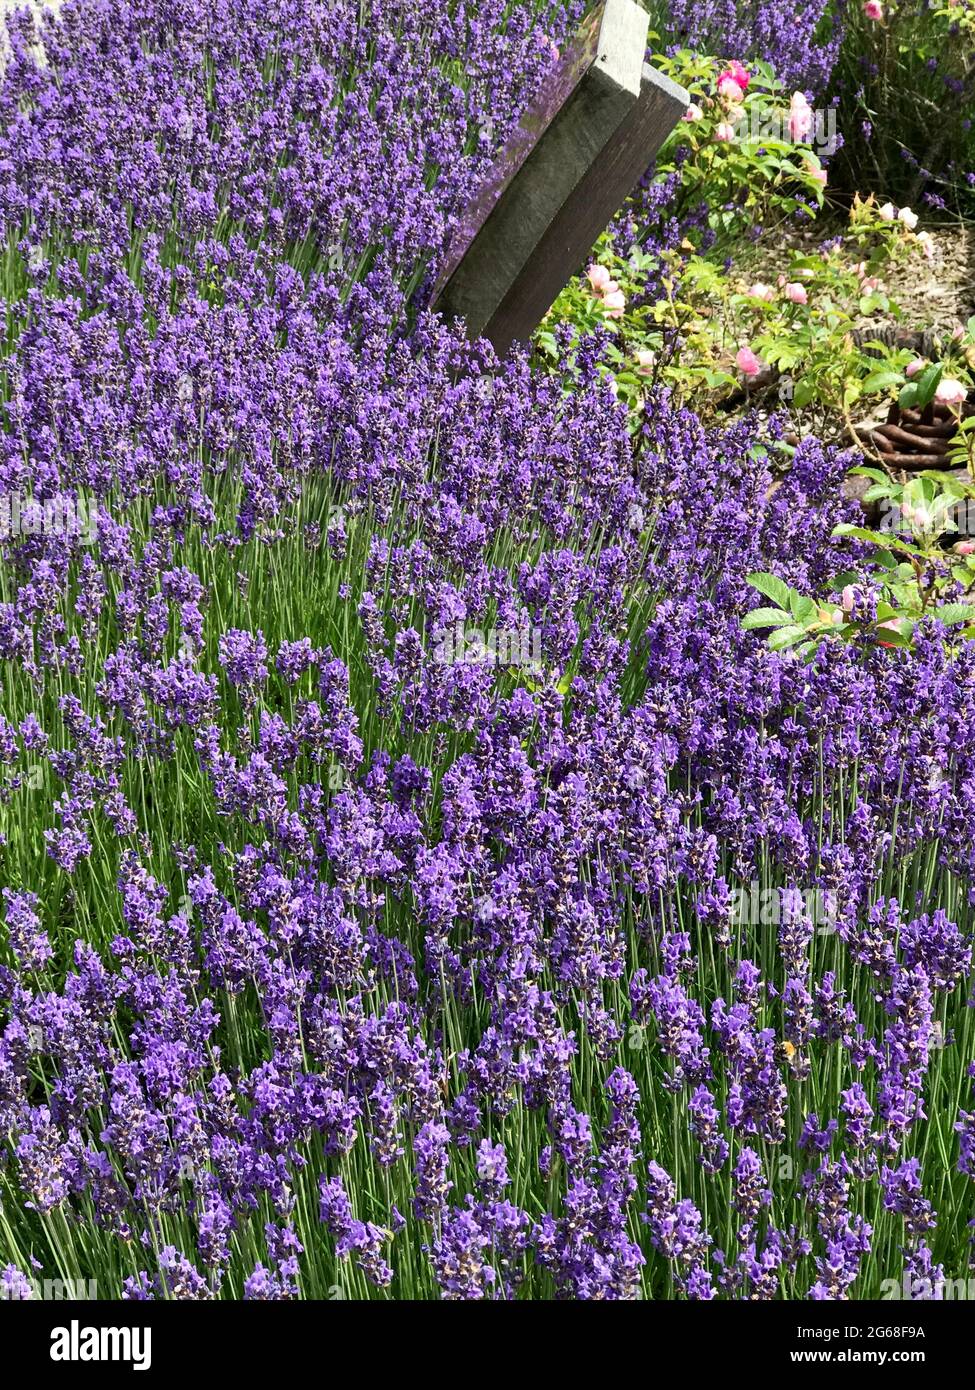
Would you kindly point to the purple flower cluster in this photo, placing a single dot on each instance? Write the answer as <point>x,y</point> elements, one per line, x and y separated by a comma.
<point>801,39</point>
<point>328,963</point>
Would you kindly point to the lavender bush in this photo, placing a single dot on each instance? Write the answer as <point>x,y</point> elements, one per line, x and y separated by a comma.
<point>416,882</point>
<point>904,85</point>
<point>801,39</point>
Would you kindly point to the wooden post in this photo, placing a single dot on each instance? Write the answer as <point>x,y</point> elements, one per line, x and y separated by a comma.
<point>576,155</point>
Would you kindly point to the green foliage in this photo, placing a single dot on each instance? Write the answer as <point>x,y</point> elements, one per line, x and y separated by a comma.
<point>906,88</point>
<point>760,176</point>
<point>907,575</point>
<point>687,336</point>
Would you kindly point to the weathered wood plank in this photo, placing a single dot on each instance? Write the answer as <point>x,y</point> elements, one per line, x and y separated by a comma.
<point>577,154</point>
<point>576,62</point>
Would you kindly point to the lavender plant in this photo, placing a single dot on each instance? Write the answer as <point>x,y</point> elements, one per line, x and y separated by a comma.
<point>904,83</point>
<point>801,39</point>
<point>411,866</point>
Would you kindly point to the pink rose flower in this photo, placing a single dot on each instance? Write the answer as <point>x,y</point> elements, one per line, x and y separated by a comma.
<point>737,73</point>
<point>950,392</point>
<point>796,293</point>
<point>874,10</point>
<point>724,132</point>
<point>800,117</point>
<point>918,365</point>
<point>693,113</point>
<point>760,291</point>
<point>599,278</point>
<point>965,548</point>
<point>729,90</point>
<point>614,303</point>
<point>747,363</point>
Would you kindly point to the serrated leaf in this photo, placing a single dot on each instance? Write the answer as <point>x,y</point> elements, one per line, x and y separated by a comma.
<point>771,586</point>
<point>863,533</point>
<point>950,613</point>
<point>801,607</point>
<point>927,383</point>
<point>860,533</point>
<point>786,637</point>
<point>882,381</point>
<point>765,617</point>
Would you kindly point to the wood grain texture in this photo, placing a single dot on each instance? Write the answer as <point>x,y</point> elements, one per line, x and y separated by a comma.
<point>587,212</point>
<point>568,171</point>
<point>578,58</point>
